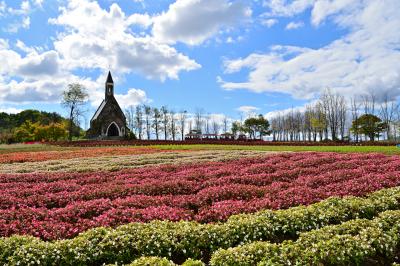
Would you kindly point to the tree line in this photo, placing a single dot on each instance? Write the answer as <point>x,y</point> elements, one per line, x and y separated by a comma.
<point>34,125</point>
<point>332,117</point>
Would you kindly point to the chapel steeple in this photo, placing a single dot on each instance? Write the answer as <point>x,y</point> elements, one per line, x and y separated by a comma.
<point>109,86</point>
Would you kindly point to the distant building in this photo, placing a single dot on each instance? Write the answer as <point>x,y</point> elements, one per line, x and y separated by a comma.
<point>109,121</point>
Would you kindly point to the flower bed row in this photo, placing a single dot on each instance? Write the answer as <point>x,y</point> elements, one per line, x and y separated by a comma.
<point>356,242</point>
<point>106,162</point>
<point>39,156</point>
<point>179,241</point>
<point>60,205</point>
<point>94,143</point>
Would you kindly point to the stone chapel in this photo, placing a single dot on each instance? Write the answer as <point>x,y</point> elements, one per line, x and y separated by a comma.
<point>109,121</point>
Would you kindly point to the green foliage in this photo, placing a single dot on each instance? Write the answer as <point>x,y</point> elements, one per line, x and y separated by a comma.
<point>10,121</point>
<point>130,135</point>
<point>36,132</point>
<point>158,261</point>
<point>351,243</point>
<point>32,125</point>
<point>254,125</point>
<point>236,127</point>
<point>369,125</point>
<point>178,241</point>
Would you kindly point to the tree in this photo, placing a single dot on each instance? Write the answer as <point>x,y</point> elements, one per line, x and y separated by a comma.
<point>182,123</point>
<point>369,125</point>
<point>172,123</point>
<point>331,104</point>
<point>215,127</point>
<point>52,132</point>
<point>254,125</point>
<point>207,119</point>
<point>156,121</point>
<point>387,113</point>
<point>25,132</point>
<point>130,117</point>
<point>354,114</point>
<point>147,117</point>
<point>139,121</point>
<point>165,120</point>
<point>73,99</point>
<point>236,128</point>
<point>225,123</point>
<point>198,119</point>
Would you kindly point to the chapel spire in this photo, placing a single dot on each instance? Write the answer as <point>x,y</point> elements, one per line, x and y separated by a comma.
<point>109,86</point>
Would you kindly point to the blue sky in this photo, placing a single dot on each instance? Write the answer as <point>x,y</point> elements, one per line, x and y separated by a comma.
<point>225,56</point>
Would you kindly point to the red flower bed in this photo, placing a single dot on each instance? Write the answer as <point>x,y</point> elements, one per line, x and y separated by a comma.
<point>19,157</point>
<point>60,205</point>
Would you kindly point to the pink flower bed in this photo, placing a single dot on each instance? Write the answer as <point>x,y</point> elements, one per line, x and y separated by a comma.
<point>60,205</point>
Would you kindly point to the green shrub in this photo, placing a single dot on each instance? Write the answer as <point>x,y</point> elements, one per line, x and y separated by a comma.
<point>152,261</point>
<point>354,242</point>
<point>178,241</point>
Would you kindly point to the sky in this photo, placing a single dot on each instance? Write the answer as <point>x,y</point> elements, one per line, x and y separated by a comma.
<point>230,57</point>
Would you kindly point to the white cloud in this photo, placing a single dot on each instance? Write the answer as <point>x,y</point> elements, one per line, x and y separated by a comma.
<point>294,25</point>
<point>97,38</point>
<point>10,110</point>
<point>93,38</point>
<point>284,9</point>
<point>247,109</point>
<point>38,3</point>
<point>320,9</point>
<point>194,21</point>
<point>20,16</point>
<point>283,112</point>
<point>132,97</point>
<point>366,59</point>
<point>269,22</point>
<point>36,65</point>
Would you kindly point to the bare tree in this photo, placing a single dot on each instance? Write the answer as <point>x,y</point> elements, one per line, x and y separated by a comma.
<point>74,98</point>
<point>139,121</point>
<point>354,114</point>
<point>172,123</point>
<point>342,114</point>
<point>198,119</point>
<point>387,113</point>
<point>182,123</point>
<point>165,120</point>
<point>368,101</point>
<point>156,122</point>
<point>207,120</point>
<point>330,103</point>
<point>215,127</point>
<point>225,123</point>
<point>147,117</point>
<point>130,117</point>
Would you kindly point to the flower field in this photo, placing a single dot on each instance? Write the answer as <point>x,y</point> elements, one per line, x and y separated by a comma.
<point>218,207</point>
<point>106,162</point>
<point>20,157</point>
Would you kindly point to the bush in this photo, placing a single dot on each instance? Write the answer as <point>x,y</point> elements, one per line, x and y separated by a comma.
<point>179,241</point>
<point>355,242</point>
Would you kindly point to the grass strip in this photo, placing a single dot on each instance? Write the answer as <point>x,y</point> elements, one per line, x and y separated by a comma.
<point>382,149</point>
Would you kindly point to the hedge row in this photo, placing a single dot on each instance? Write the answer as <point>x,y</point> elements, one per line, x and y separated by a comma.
<point>179,241</point>
<point>158,261</point>
<point>94,143</point>
<point>356,242</point>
